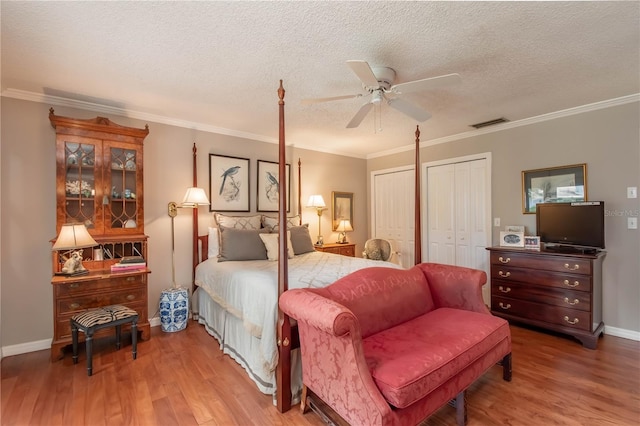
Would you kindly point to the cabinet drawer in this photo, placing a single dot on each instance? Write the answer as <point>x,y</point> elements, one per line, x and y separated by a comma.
<point>348,251</point>
<point>574,265</point>
<point>572,318</point>
<point>540,277</point>
<point>80,303</point>
<point>91,286</point>
<point>550,296</point>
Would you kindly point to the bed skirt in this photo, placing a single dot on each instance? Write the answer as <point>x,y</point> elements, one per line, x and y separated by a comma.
<point>244,348</point>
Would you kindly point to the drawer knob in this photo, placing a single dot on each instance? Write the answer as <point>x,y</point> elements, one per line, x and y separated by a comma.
<point>504,290</point>
<point>572,322</point>
<point>571,268</point>
<point>571,302</point>
<point>131,278</point>
<point>503,260</point>
<point>507,306</point>
<point>504,274</point>
<point>575,283</point>
<point>131,297</point>
<point>74,285</point>
<point>74,305</point>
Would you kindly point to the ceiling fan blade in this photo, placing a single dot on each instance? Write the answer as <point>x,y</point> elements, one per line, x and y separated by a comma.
<point>410,109</point>
<point>360,115</point>
<point>363,71</point>
<point>426,84</point>
<point>333,98</point>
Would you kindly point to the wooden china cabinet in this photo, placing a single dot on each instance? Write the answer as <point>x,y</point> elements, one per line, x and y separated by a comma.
<point>99,171</point>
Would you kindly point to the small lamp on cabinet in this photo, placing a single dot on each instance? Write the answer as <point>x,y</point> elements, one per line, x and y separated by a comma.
<point>72,238</point>
<point>343,227</point>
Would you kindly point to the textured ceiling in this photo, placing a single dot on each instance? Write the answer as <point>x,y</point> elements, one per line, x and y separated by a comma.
<point>218,64</point>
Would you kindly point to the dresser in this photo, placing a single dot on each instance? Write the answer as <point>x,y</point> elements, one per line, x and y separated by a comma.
<point>348,249</point>
<point>557,291</point>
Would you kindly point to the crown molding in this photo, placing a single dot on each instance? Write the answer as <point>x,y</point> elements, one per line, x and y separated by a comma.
<point>513,124</point>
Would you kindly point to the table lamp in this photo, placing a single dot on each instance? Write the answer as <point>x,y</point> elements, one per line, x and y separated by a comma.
<point>73,236</point>
<point>317,202</point>
<point>343,227</point>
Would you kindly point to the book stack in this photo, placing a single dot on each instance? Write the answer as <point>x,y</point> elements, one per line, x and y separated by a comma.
<point>129,264</point>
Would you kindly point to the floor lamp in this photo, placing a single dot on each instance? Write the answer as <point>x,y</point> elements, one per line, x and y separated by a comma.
<point>174,302</point>
<point>317,202</point>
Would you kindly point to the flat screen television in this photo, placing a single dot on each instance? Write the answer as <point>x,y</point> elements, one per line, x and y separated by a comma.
<point>577,226</point>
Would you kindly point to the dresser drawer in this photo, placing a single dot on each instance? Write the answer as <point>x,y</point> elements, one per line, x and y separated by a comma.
<point>566,317</point>
<point>91,286</point>
<point>82,302</point>
<point>541,277</point>
<point>574,265</point>
<point>548,295</point>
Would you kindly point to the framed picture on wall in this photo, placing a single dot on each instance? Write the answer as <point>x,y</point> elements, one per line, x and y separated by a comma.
<point>565,184</point>
<point>228,183</point>
<point>269,187</point>
<point>341,208</point>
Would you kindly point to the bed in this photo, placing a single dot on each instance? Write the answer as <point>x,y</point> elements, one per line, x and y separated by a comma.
<point>237,298</point>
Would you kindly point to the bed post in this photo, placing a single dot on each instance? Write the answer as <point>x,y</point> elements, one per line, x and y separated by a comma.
<point>283,369</point>
<point>195,223</point>
<point>299,190</point>
<point>418,232</point>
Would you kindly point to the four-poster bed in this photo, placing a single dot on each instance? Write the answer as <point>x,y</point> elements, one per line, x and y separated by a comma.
<point>238,302</point>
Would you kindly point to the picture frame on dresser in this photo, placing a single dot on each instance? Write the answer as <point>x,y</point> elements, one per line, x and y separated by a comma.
<point>553,185</point>
<point>511,239</point>
<point>228,183</point>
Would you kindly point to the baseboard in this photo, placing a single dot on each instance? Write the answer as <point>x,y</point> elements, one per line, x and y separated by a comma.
<point>41,345</point>
<point>621,332</point>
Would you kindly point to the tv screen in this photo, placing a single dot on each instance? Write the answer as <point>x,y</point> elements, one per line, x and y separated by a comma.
<point>571,224</point>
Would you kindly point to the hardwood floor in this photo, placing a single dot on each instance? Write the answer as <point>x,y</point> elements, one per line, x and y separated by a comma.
<point>183,379</point>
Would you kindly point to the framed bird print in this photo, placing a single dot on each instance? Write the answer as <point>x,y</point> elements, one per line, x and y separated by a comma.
<point>269,187</point>
<point>228,183</point>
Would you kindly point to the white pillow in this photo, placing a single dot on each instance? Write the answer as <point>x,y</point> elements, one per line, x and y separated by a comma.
<point>238,222</point>
<point>271,244</point>
<point>214,243</point>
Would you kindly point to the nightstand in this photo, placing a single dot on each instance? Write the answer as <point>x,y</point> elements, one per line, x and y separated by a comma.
<point>348,249</point>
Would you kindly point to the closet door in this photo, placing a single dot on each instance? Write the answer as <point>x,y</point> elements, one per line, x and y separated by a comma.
<point>392,213</point>
<point>457,206</point>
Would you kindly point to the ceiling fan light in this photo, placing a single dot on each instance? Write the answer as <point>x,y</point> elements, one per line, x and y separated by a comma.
<point>376,98</point>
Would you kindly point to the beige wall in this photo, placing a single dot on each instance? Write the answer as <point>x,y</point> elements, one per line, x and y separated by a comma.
<point>608,140</point>
<point>28,205</point>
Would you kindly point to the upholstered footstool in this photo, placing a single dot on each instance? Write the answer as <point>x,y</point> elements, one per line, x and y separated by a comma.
<point>95,319</point>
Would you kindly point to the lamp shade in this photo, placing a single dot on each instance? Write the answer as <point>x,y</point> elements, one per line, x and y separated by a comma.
<point>73,236</point>
<point>195,197</point>
<point>344,226</point>
<point>316,201</point>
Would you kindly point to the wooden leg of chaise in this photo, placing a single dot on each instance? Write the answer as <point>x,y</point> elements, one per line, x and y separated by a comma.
<point>304,401</point>
<point>461,409</point>
<point>506,367</point>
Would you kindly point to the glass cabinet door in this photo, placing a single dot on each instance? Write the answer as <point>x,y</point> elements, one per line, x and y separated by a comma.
<point>123,180</point>
<point>80,183</point>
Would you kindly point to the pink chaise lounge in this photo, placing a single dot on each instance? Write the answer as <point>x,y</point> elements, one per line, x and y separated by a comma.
<point>384,346</point>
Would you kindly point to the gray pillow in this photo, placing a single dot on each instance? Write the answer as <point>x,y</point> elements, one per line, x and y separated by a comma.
<point>241,244</point>
<point>300,239</point>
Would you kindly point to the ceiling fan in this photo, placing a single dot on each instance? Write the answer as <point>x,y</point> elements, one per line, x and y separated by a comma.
<point>378,82</point>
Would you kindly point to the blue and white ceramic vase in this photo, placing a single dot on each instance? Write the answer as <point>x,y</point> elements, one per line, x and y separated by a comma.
<point>174,309</point>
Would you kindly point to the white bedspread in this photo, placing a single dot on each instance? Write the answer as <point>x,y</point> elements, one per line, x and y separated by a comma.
<point>249,289</point>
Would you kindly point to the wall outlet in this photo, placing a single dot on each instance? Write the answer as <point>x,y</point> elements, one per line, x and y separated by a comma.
<point>632,223</point>
<point>496,221</point>
<point>632,192</point>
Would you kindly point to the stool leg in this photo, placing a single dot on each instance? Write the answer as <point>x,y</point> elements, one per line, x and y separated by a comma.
<point>88,343</point>
<point>74,338</point>
<point>134,339</point>
<point>118,329</point>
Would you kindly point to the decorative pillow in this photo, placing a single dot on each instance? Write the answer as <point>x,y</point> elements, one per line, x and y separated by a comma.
<point>271,223</point>
<point>241,244</point>
<point>238,222</point>
<point>214,243</point>
<point>271,244</point>
<point>301,239</point>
